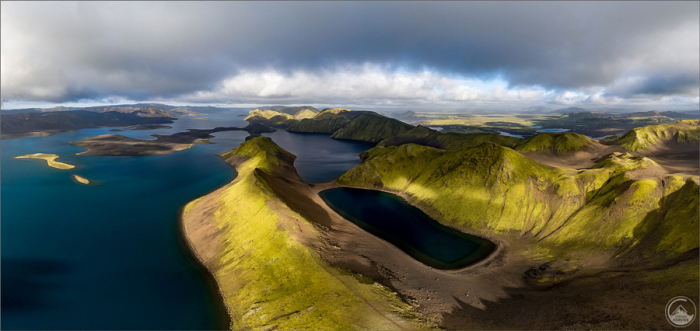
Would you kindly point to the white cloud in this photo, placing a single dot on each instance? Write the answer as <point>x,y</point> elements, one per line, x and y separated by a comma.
<point>377,86</point>
<point>348,53</point>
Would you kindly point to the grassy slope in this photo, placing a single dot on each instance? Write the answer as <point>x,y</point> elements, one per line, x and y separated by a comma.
<point>495,190</point>
<point>294,113</point>
<point>371,128</point>
<point>554,142</point>
<point>327,121</point>
<point>452,141</point>
<point>267,114</point>
<point>642,138</point>
<point>269,278</point>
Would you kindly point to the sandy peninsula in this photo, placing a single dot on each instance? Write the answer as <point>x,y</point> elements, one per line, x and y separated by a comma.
<point>50,160</point>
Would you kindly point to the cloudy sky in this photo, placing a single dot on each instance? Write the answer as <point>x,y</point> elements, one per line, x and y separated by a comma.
<point>410,55</point>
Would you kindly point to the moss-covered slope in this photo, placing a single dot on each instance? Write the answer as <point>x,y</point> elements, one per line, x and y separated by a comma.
<point>327,121</point>
<point>653,137</point>
<point>371,128</point>
<point>495,190</point>
<point>289,112</point>
<point>554,142</point>
<point>452,141</point>
<point>281,116</point>
<point>259,252</point>
<point>266,114</point>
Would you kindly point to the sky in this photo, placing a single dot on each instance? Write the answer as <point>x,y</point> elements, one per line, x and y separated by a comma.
<point>369,55</point>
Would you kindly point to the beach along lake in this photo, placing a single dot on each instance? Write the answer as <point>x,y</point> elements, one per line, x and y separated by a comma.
<point>389,217</point>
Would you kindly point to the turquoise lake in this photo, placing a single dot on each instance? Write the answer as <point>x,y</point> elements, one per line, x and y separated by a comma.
<point>111,256</point>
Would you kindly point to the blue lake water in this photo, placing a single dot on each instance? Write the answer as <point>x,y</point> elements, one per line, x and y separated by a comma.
<point>510,134</point>
<point>389,217</point>
<point>319,158</point>
<point>111,256</point>
<point>554,130</point>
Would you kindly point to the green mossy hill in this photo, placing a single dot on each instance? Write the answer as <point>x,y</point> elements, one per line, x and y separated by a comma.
<point>267,275</point>
<point>371,127</point>
<point>266,114</point>
<point>324,122</point>
<point>495,190</point>
<point>281,120</point>
<point>657,136</point>
<point>263,149</point>
<point>278,121</point>
<point>554,142</point>
<point>329,120</point>
<point>625,161</point>
<point>691,122</point>
<point>453,141</point>
<point>296,112</point>
<point>282,113</point>
<point>333,111</point>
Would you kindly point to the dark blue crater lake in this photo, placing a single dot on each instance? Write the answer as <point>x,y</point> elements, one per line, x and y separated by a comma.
<point>111,256</point>
<point>389,217</point>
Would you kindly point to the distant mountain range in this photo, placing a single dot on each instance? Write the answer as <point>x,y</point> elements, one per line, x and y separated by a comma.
<point>48,123</point>
<point>128,108</point>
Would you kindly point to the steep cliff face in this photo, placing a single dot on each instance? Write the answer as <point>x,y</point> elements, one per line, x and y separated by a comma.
<point>261,253</point>
<point>495,190</point>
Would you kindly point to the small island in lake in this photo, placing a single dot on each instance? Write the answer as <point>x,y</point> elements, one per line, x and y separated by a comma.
<point>118,145</point>
<point>81,179</point>
<point>50,160</point>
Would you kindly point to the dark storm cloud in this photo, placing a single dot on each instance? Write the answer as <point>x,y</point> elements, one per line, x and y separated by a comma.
<point>66,51</point>
<point>657,85</point>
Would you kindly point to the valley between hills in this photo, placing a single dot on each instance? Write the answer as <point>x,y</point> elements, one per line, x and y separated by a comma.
<point>589,233</point>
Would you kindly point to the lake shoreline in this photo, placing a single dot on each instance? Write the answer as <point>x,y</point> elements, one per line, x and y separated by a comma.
<point>499,244</point>
<point>220,311</point>
<point>484,247</point>
<point>221,314</point>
